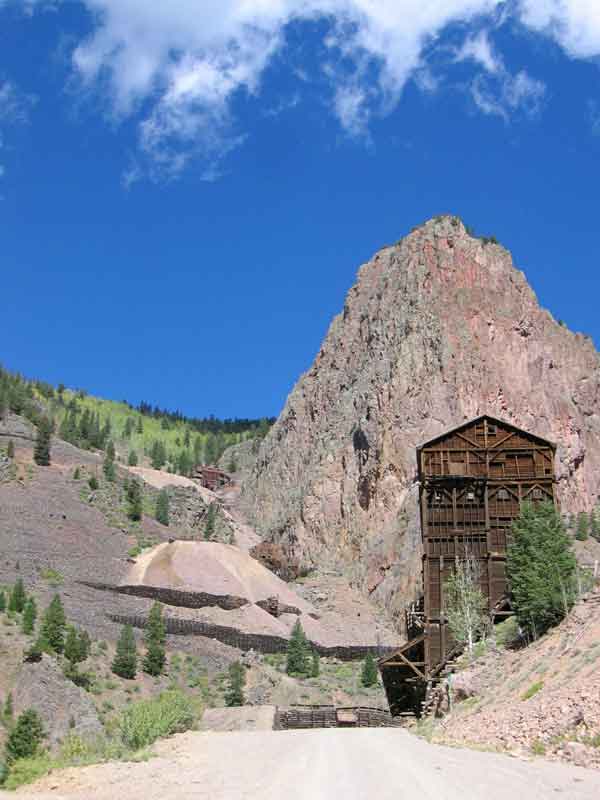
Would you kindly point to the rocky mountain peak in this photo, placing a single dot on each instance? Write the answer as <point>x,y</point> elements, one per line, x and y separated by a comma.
<point>439,328</point>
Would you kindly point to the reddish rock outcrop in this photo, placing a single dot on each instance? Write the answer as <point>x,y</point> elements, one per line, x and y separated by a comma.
<point>437,329</point>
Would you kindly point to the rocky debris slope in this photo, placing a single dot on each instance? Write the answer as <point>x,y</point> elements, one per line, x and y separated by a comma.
<point>63,707</point>
<point>438,328</point>
<point>543,699</point>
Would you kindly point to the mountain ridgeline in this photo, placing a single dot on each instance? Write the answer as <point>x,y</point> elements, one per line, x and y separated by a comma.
<point>439,328</point>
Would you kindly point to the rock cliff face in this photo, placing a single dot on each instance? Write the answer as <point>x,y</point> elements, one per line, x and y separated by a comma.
<point>437,329</point>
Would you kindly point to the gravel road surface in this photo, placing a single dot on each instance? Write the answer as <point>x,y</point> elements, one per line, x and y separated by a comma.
<point>329,764</point>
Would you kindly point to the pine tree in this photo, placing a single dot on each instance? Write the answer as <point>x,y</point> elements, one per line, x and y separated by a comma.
<point>108,466</point>
<point>93,483</point>
<point>209,528</point>
<point>18,597</point>
<point>186,438</point>
<point>10,449</point>
<point>582,531</point>
<point>77,645</point>
<point>541,568</point>
<point>25,738</point>
<point>132,461</point>
<point>158,455</point>
<point>368,674</point>
<point>76,474</point>
<point>162,507</point>
<point>140,425</point>
<point>125,661</point>
<point>315,666</point>
<point>298,652</point>
<point>29,616</point>
<point>52,632</point>
<point>595,524</point>
<point>41,452</point>
<point>128,429</point>
<point>154,638</point>
<point>234,694</point>
<point>2,600</point>
<point>8,712</point>
<point>134,500</point>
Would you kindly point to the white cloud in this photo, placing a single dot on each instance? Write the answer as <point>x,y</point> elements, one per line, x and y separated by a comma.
<point>14,104</point>
<point>574,24</point>
<point>478,48</point>
<point>178,66</point>
<point>495,90</point>
<point>507,93</point>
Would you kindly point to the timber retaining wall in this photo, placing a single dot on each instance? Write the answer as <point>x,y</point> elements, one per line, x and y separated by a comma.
<point>261,642</point>
<point>333,717</point>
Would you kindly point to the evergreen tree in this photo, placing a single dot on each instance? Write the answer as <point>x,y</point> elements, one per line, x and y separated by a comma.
<point>140,425</point>
<point>76,474</point>
<point>2,600</point>
<point>541,568</point>
<point>368,674</point>
<point>52,632</point>
<point>93,483</point>
<point>162,507</point>
<point>595,524</point>
<point>8,711</point>
<point>134,500</point>
<point>154,638</point>
<point>315,666</point>
<point>17,597</point>
<point>108,466</point>
<point>133,459</point>
<point>234,694</point>
<point>158,454</point>
<point>209,527</point>
<point>128,429</point>
<point>298,652</point>
<point>41,452</point>
<point>25,738</point>
<point>125,661</point>
<point>29,616</point>
<point>10,449</point>
<point>77,645</point>
<point>582,530</point>
<point>210,449</point>
<point>187,438</point>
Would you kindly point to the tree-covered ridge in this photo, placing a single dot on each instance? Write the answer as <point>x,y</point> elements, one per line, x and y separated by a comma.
<point>144,435</point>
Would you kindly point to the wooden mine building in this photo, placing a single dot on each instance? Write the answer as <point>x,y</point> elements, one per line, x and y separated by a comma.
<point>211,477</point>
<point>473,480</point>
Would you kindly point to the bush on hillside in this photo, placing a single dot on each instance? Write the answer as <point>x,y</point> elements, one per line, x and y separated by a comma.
<point>234,695</point>
<point>541,568</point>
<point>144,722</point>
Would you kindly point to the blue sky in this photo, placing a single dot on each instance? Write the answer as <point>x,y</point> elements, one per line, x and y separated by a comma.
<point>188,188</point>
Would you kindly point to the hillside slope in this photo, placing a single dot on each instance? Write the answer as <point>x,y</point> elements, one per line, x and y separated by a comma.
<point>543,699</point>
<point>438,329</point>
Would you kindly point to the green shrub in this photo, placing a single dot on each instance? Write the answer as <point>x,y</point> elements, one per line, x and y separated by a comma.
<point>533,689</point>
<point>144,722</point>
<point>53,577</point>
<point>27,770</point>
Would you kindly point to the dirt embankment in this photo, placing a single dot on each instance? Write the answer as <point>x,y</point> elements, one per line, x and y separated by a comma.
<point>544,699</point>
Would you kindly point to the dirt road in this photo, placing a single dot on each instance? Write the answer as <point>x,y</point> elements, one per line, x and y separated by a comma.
<point>387,764</point>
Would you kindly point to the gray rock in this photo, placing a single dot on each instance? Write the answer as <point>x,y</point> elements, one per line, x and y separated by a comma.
<point>63,707</point>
